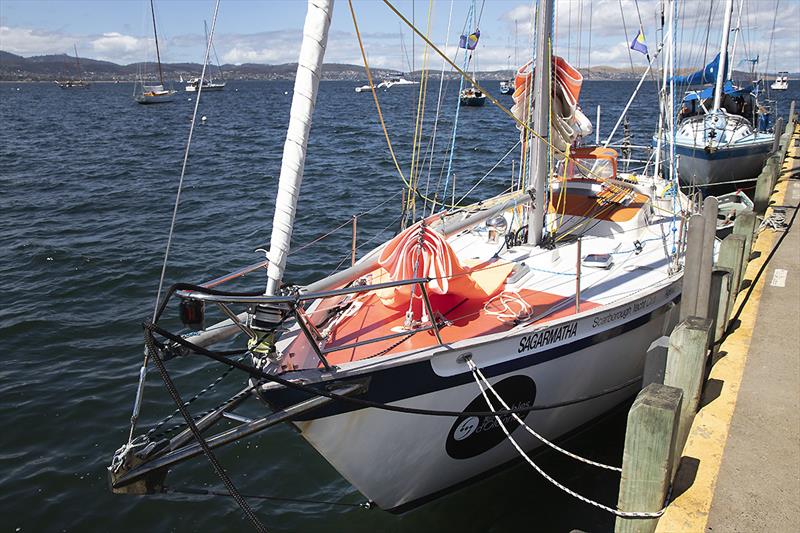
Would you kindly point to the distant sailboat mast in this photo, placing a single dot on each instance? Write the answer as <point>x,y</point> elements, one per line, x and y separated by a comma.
<point>541,118</point>
<point>155,36</point>
<point>77,60</point>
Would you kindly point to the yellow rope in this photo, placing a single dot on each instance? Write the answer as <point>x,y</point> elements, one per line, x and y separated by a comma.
<point>413,191</point>
<point>375,94</point>
<point>420,121</point>
<point>479,87</point>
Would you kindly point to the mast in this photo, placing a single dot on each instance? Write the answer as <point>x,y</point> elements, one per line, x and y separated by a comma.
<point>541,117</point>
<point>723,52</point>
<point>155,36</point>
<point>665,58</point>
<point>738,30</point>
<point>77,60</point>
<point>309,69</point>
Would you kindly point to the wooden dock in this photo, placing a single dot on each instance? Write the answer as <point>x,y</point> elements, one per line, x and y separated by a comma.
<point>732,441</point>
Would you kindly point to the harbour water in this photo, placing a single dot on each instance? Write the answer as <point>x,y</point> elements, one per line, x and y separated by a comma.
<point>87,184</point>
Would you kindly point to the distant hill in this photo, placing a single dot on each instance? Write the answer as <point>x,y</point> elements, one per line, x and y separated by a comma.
<point>52,67</point>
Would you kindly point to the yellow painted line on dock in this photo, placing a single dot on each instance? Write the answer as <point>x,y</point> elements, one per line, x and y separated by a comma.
<point>689,511</point>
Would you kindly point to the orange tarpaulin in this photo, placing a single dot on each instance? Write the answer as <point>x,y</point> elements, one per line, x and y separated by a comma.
<point>421,252</point>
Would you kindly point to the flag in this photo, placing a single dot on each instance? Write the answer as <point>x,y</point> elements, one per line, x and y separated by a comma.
<point>469,41</point>
<point>638,43</point>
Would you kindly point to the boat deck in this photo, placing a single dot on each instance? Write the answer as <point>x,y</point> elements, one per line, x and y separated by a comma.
<point>536,286</point>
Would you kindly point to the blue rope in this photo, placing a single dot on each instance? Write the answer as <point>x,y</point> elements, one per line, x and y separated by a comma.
<point>458,105</point>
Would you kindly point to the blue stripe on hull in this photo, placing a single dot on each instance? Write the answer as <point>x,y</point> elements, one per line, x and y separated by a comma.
<point>415,379</point>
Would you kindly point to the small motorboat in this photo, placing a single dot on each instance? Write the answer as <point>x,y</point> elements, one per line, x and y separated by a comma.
<point>730,205</point>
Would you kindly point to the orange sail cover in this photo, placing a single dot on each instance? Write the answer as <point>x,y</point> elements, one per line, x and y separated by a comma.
<point>421,252</point>
<point>569,122</point>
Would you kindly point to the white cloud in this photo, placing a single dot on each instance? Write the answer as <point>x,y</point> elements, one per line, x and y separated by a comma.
<point>26,41</point>
<point>115,46</point>
<point>609,45</point>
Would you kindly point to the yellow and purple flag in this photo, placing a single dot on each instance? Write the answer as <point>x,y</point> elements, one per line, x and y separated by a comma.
<point>638,43</point>
<point>469,41</point>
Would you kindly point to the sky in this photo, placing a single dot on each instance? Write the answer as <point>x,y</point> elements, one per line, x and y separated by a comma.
<point>589,33</point>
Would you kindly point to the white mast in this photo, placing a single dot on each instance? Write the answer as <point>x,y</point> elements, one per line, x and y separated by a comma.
<point>723,51</point>
<point>665,73</point>
<point>738,30</point>
<point>309,69</point>
<point>541,117</point>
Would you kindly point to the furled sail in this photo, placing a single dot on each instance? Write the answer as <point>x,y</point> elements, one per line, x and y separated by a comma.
<point>422,252</point>
<point>707,75</point>
<point>569,122</point>
<point>309,70</point>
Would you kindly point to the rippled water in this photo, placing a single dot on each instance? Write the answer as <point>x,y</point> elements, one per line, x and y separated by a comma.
<point>87,183</point>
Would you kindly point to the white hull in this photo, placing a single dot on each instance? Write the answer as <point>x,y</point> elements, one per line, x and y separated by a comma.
<point>206,88</point>
<point>397,459</point>
<point>720,149</point>
<point>154,94</point>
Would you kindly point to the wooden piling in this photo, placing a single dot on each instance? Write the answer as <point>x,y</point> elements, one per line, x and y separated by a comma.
<point>692,264</point>
<point>774,163</point>
<point>655,362</point>
<point>731,255</point>
<point>647,461</point>
<point>745,225</point>
<point>718,311</point>
<point>710,211</point>
<point>763,192</point>
<point>686,361</point>
<point>776,144</point>
<point>792,117</point>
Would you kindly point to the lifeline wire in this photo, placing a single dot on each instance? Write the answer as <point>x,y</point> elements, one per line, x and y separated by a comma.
<point>151,328</point>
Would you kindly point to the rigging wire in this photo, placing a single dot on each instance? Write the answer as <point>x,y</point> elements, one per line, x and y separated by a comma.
<point>627,39</point>
<point>185,159</point>
<point>436,119</point>
<point>467,57</point>
<point>143,369</point>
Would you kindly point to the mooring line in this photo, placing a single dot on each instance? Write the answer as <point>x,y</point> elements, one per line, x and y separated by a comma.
<point>616,512</point>
<point>478,372</point>
<point>209,492</point>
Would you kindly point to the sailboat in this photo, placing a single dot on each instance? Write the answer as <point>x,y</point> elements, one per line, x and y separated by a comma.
<point>153,94</point>
<point>553,291</point>
<point>72,83</point>
<point>471,96</point>
<point>507,86</point>
<point>193,84</point>
<point>729,142</point>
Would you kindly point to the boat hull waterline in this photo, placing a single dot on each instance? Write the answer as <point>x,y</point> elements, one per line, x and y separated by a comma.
<point>724,164</point>
<point>398,460</point>
<point>155,98</point>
